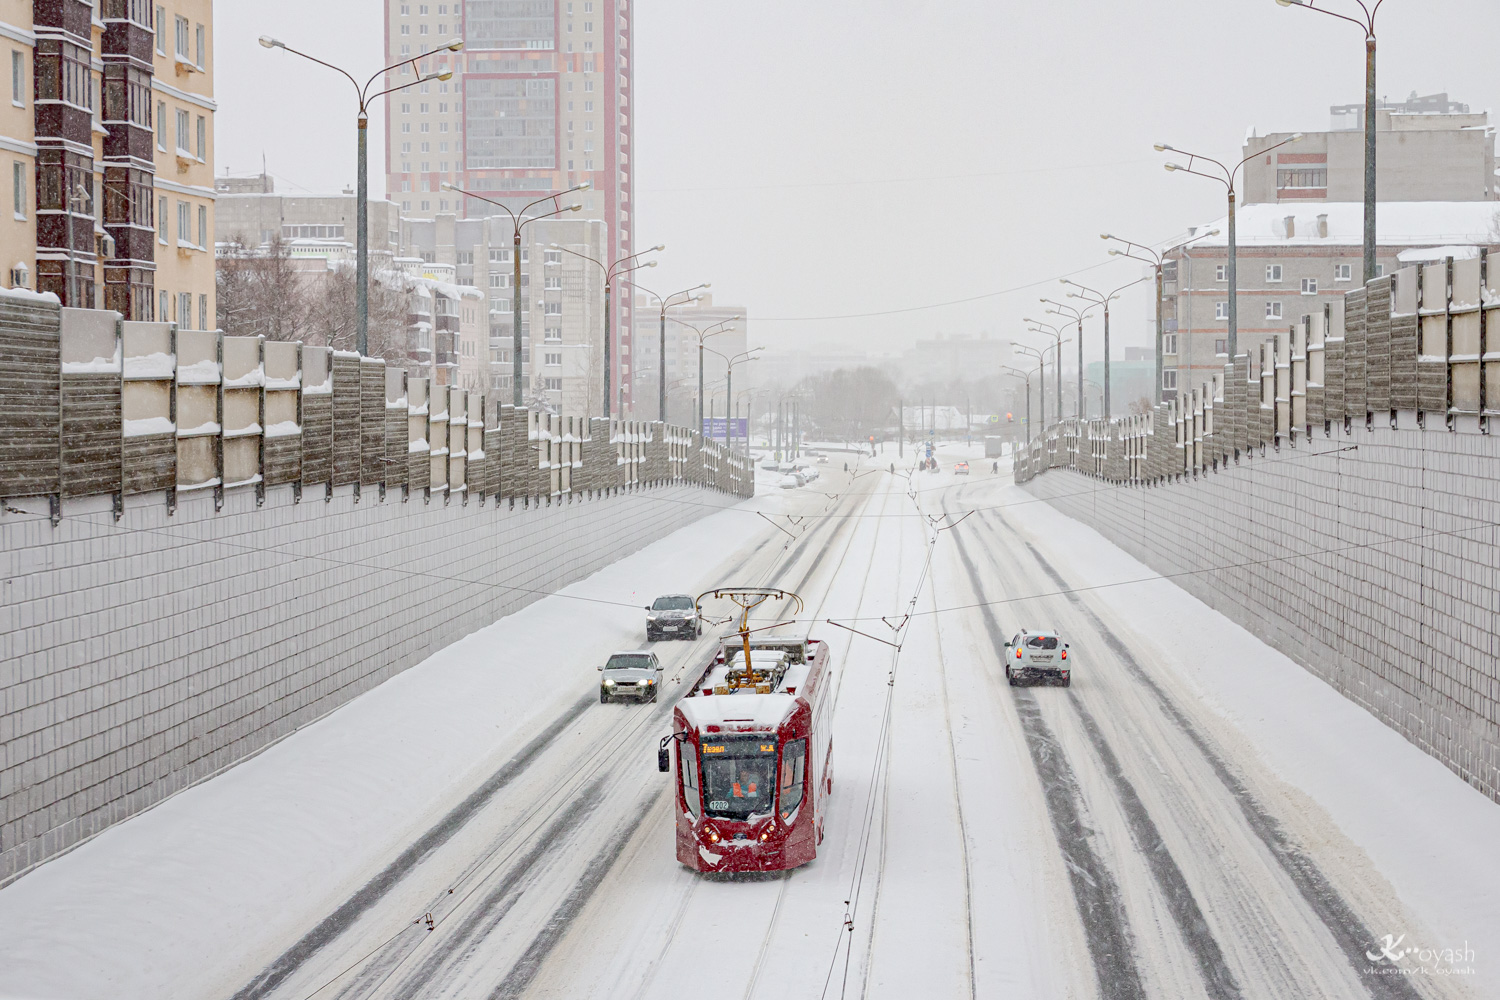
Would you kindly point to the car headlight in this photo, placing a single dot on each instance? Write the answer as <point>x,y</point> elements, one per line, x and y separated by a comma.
<point>609,683</point>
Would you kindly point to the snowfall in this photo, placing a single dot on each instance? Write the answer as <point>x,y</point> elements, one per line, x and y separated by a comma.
<point>1196,816</point>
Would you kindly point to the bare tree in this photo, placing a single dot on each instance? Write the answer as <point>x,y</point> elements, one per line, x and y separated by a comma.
<point>278,308</point>
<point>331,313</point>
<point>235,310</point>
<point>1140,407</point>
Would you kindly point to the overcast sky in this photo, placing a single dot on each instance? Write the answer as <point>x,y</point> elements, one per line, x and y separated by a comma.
<point>820,159</point>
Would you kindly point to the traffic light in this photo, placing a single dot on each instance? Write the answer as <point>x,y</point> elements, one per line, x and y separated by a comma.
<point>1010,418</point>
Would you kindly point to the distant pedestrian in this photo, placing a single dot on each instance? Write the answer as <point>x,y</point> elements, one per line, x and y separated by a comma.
<point>995,466</point>
<point>846,466</point>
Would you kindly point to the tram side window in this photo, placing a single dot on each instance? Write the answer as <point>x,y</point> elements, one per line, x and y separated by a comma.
<point>687,772</point>
<point>793,770</point>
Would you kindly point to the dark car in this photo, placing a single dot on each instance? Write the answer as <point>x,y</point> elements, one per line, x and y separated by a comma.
<point>673,616</point>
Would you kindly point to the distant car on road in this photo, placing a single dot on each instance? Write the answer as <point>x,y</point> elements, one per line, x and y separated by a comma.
<point>822,459</point>
<point>673,616</point>
<point>631,674</point>
<point>791,481</point>
<point>1033,657</point>
<point>960,468</point>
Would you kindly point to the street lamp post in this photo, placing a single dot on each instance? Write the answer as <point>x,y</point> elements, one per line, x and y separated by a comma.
<point>1138,251</point>
<point>610,273</point>
<point>1076,315</point>
<point>729,363</point>
<point>361,225</point>
<point>1228,180</point>
<point>1101,299</point>
<point>1025,377</point>
<point>1367,25</point>
<point>666,303</point>
<point>517,222</point>
<point>1041,363</point>
<point>703,334</point>
<point>1056,334</point>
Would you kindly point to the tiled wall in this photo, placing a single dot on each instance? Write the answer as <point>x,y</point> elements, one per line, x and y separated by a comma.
<point>1370,556</point>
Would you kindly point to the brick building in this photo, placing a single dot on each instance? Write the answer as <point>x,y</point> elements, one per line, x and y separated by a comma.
<point>1292,258</point>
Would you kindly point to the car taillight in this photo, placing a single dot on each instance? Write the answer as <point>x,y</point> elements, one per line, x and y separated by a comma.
<point>1065,654</point>
<point>1018,652</point>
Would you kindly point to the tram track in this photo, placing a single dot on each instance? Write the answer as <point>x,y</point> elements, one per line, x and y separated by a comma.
<point>443,965</point>
<point>364,901</point>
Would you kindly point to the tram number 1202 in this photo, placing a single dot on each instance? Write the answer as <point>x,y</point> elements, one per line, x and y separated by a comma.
<point>719,804</point>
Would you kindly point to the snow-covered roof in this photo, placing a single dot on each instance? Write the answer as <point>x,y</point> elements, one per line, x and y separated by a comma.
<point>1427,254</point>
<point>1398,224</point>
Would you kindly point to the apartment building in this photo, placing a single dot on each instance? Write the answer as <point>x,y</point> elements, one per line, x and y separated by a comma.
<point>539,102</point>
<point>684,325</point>
<point>182,85</point>
<point>562,294</point>
<point>95,191</point>
<point>1291,260</point>
<point>1426,149</point>
<point>249,211</point>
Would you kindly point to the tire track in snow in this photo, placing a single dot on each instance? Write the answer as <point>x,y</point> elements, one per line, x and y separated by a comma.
<point>1348,930</point>
<point>1095,892</point>
<point>584,887</point>
<point>368,896</point>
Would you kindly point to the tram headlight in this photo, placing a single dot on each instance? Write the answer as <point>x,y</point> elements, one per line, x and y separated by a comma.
<point>713,835</point>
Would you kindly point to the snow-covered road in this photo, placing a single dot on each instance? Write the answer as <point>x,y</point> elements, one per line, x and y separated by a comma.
<point>1156,830</point>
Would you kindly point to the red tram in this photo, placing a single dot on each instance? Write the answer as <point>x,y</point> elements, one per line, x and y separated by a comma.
<point>754,756</point>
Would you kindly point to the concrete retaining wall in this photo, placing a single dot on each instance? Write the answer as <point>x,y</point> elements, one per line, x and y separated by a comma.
<point>141,655</point>
<point>1376,567</point>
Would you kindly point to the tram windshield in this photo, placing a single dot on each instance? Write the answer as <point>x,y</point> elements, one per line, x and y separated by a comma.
<point>739,775</point>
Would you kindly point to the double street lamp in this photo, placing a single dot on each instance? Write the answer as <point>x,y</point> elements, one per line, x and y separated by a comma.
<point>1074,315</point>
<point>1138,251</point>
<point>667,303</point>
<point>622,266</point>
<point>1367,25</point>
<point>729,364</point>
<point>1055,332</point>
<point>723,326</point>
<point>1096,298</point>
<point>1025,377</point>
<point>1228,180</point>
<point>361,226</point>
<point>517,221</point>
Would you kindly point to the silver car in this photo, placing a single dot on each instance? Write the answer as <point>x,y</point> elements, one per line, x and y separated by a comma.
<point>1037,657</point>
<point>634,674</point>
<point>673,616</point>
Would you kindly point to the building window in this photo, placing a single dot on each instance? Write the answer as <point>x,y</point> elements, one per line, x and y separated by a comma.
<point>185,309</point>
<point>184,223</point>
<point>1169,343</point>
<point>203,311</point>
<point>1221,310</point>
<point>202,147</point>
<point>1302,178</point>
<point>203,226</point>
<point>1169,378</point>
<point>199,51</point>
<point>18,189</point>
<point>1221,346</point>
<point>161,233</point>
<point>1309,286</point>
<point>161,50</point>
<point>17,79</point>
<point>1273,273</point>
<point>1221,272</point>
<point>182,38</point>
<point>1273,310</point>
<point>553,384</point>
<point>552,359</point>
<point>553,335</point>
<point>1380,270</point>
<point>553,282</point>
<point>164,296</point>
<point>552,257</point>
<point>182,133</point>
<point>161,126</point>
<point>1343,272</point>
<point>552,309</point>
